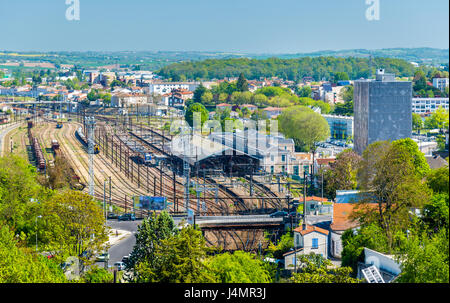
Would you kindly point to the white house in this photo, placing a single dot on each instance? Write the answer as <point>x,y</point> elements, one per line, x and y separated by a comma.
<point>440,83</point>
<point>273,112</point>
<point>160,88</point>
<point>307,239</point>
<point>388,267</point>
<point>124,100</point>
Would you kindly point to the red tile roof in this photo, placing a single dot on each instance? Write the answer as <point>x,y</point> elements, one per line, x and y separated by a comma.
<point>341,216</point>
<point>325,161</point>
<point>310,229</point>
<point>314,198</point>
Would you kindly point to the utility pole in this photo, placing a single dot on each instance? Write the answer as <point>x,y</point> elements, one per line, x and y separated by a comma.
<point>91,128</point>
<point>110,185</point>
<point>304,199</point>
<point>104,198</point>
<point>186,172</point>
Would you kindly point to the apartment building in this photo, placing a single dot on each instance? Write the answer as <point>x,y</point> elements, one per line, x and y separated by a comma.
<point>428,105</point>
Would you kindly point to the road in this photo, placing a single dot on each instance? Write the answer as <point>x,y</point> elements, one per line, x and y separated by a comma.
<point>3,131</point>
<point>125,246</point>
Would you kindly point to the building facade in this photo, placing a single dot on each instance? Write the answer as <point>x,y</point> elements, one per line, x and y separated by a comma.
<point>382,110</point>
<point>307,239</point>
<point>440,83</point>
<point>125,100</point>
<point>341,127</point>
<point>161,88</point>
<point>428,105</point>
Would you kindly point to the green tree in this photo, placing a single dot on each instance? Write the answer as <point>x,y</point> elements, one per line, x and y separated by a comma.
<point>18,185</point>
<point>72,223</point>
<point>339,76</point>
<point>179,259</point>
<point>18,265</point>
<point>436,213</point>
<point>283,246</point>
<point>305,91</point>
<point>426,260</point>
<point>420,164</point>
<point>150,233</point>
<point>92,95</point>
<point>239,267</point>
<point>196,108</point>
<point>97,274</point>
<point>419,81</point>
<point>317,269</point>
<point>347,93</point>
<point>206,98</point>
<point>417,122</point>
<point>242,84</point>
<point>244,98</point>
<point>354,241</point>
<point>438,119</point>
<point>198,93</point>
<point>259,99</point>
<point>388,177</point>
<point>438,180</point>
<point>106,98</point>
<point>304,126</point>
<point>342,173</point>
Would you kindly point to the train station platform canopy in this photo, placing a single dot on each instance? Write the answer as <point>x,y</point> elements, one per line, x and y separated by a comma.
<point>197,148</point>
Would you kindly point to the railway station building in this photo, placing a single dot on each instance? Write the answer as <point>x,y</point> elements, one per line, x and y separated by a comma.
<point>205,155</point>
<point>275,152</point>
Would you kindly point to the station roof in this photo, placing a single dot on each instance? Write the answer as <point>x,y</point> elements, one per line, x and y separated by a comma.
<point>197,148</point>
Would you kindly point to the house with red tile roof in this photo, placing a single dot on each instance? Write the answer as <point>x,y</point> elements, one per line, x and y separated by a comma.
<point>307,239</point>
<point>273,112</point>
<point>223,106</point>
<point>322,163</point>
<point>250,107</point>
<point>341,221</point>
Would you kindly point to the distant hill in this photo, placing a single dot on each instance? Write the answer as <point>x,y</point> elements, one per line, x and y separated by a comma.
<point>155,60</point>
<point>423,55</point>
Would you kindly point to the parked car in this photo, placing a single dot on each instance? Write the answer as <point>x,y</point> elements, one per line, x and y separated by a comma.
<point>125,259</point>
<point>112,216</point>
<point>120,266</point>
<point>278,214</point>
<point>127,217</point>
<point>293,214</point>
<point>102,257</point>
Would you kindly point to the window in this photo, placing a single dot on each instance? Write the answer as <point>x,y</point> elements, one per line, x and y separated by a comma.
<point>315,243</point>
<point>283,158</point>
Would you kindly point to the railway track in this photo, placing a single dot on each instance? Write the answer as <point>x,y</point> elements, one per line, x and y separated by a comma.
<point>158,172</point>
<point>225,193</point>
<point>79,158</point>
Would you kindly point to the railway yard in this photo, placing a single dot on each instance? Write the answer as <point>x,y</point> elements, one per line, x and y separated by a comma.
<point>120,173</point>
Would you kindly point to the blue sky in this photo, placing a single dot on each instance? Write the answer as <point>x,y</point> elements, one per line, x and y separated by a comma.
<point>248,26</point>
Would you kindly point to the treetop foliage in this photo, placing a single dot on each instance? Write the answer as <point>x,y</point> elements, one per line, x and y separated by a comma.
<point>289,69</point>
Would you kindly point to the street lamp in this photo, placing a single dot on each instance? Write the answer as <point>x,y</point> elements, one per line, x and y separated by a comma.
<point>37,233</point>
